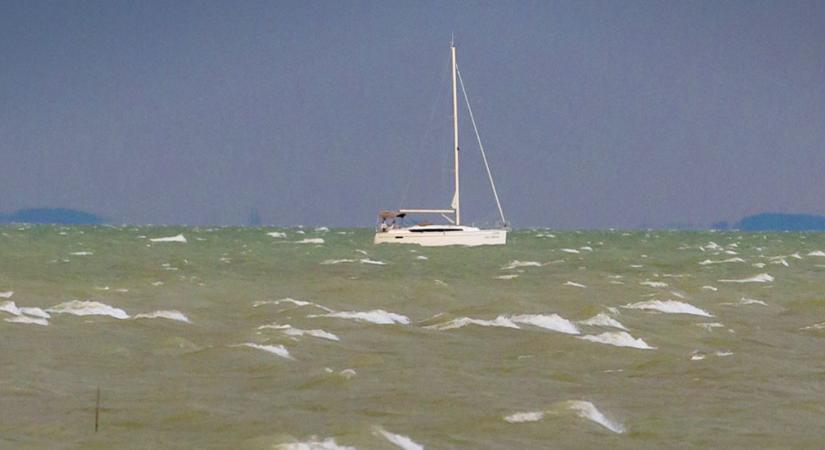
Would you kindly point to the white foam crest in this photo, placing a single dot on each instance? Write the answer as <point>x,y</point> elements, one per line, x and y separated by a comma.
<point>670,307</point>
<point>314,444</point>
<point>619,339</point>
<point>552,322</point>
<point>289,330</point>
<point>310,241</point>
<point>816,326</point>
<point>761,278</point>
<point>654,284</point>
<point>378,316</point>
<point>10,307</point>
<point>710,288</point>
<point>34,312</point>
<point>421,258</point>
<point>81,253</point>
<point>709,326</point>
<point>521,417</point>
<point>399,440</point>
<point>571,251</point>
<point>723,353</point>
<point>586,248</point>
<point>589,411</point>
<point>322,229</point>
<point>328,262</point>
<point>507,277</point>
<point>722,261</point>
<point>276,234</point>
<point>516,263</point>
<point>88,308</point>
<point>574,284</point>
<point>278,350</point>
<point>165,314</point>
<point>6,294</point>
<point>500,321</point>
<point>372,262</point>
<point>816,253</point>
<point>27,319</point>
<point>290,301</point>
<point>177,238</point>
<point>603,320</point>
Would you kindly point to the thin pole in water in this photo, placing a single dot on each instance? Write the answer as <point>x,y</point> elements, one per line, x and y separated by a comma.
<point>97,409</point>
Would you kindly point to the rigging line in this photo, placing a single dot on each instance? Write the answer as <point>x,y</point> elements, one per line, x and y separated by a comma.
<point>481,147</point>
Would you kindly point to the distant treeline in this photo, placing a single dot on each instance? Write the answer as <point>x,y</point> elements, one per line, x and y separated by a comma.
<point>776,222</point>
<point>52,216</point>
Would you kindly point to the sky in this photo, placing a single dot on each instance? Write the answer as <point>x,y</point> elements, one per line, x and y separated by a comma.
<point>605,114</point>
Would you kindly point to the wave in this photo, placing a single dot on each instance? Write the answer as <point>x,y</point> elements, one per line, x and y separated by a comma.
<point>574,284</point>
<point>310,241</point>
<point>27,319</point>
<point>670,307</point>
<point>723,261</point>
<point>165,314</point>
<point>516,263</point>
<point>378,316</point>
<point>500,321</point>
<point>289,330</point>
<point>603,320</point>
<point>278,350</point>
<point>761,278</point>
<point>589,411</point>
<point>552,322</point>
<point>88,308</point>
<point>619,339</point>
<point>6,294</point>
<point>654,284</point>
<point>521,417</point>
<point>276,234</point>
<point>178,238</point>
<point>399,440</point>
<point>313,444</point>
<point>290,301</point>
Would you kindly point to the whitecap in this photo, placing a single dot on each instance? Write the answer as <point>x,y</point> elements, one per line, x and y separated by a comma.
<point>165,314</point>
<point>27,319</point>
<point>654,284</point>
<point>603,320</point>
<point>88,308</point>
<point>723,261</point>
<point>570,250</point>
<point>500,321</point>
<point>6,294</point>
<point>289,330</point>
<point>279,350</point>
<point>421,258</point>
<point>328,262</point>
<point>314,444</point>
<point>10,307</point>
<point>521,417</point>
<point>378,316</point>
<point>347,373</point>
<point>710,288</point>
<point>669,306</point>
<point>723,353</point>
<point>399,440</point>
<point>276,234</point>
<point>574,284</point>
<point>816,326</point>
<point>816,253</point>
<point>322,229</point>
<point>81,253</point>
<point>34,312</point>
<point>761,278</point>
<point>516,263</point>
<point>589,411</point>
<point>586,248</point>
<point>709,326</point>
<point>696,355</point>
<point>290,301</point>
<point>372,262</point>
<point>552,322</point>
<point>507,277</point>
<point>310,241</point>
<point>619,339</point>
<point>177,238</point>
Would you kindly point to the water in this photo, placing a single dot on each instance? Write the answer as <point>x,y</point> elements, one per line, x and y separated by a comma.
<point>240,339</point>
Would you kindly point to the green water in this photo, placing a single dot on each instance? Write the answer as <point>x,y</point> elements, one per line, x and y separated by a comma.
<point>750,376</point>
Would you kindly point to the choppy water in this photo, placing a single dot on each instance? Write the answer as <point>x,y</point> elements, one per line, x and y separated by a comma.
<point>241,339</point>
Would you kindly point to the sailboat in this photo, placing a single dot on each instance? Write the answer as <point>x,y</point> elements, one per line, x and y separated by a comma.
<point>391,229</point>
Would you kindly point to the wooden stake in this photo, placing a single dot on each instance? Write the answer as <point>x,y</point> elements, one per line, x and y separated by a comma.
<point>97,409</point>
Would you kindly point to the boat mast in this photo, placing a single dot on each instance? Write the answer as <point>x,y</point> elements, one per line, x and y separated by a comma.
<point>456,199</point>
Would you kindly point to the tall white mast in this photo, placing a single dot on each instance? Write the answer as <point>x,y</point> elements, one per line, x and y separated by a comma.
<point>456,200</point>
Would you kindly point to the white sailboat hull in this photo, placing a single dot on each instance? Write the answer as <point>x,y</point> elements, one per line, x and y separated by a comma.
<point>465,236</point>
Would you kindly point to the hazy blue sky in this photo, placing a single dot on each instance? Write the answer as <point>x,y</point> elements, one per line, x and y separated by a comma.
<point>594,114</point>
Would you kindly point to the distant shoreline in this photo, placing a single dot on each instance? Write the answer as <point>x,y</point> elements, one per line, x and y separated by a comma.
<point>758,222</point>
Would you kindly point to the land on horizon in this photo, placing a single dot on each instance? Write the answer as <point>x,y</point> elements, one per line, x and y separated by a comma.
<point>758,222</point>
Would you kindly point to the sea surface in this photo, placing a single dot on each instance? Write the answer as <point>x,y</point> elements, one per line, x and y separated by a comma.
<point>261,338</point>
